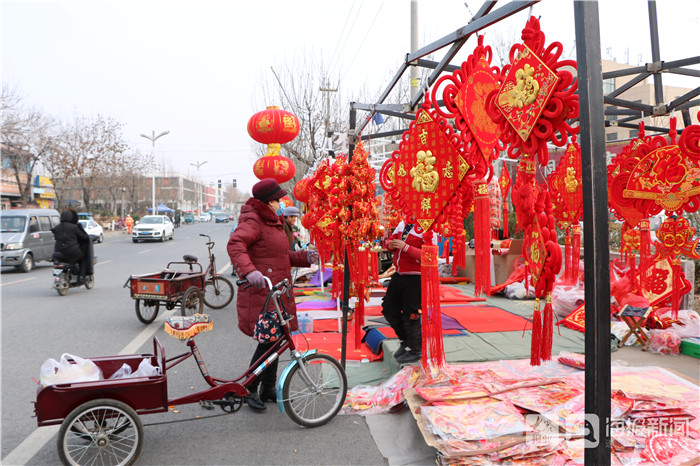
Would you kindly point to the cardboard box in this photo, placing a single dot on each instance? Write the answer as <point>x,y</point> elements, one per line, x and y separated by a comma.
<point>501,265</point>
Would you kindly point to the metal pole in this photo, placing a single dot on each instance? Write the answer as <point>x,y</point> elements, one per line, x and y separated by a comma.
<point>595,234</point>
<point>415,74</point>
<point>199,187</point>
<point>153,138</point>
<point>346,270</point>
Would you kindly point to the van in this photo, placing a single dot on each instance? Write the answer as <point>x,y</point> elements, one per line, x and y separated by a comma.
<point>26,237</point>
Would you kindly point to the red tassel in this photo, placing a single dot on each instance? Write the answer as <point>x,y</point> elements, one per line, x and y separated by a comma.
<point>568,275</point>
<point>676,274</point>
<point>547,329</point>
<point>644,255</point>
<point>433,359</point>
<point>506,234</point>
<point>337,286</point>
<point>375,266</point>
<point>359,316</point>
<point>536,342</point>
<point>482,239</point>
<point>575,252</point>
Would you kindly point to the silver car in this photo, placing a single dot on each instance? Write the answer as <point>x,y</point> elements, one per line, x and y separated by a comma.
<point>26,237</point>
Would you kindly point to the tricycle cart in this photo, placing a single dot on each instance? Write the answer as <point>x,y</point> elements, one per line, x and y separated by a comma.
<point>180,283</point>
<point>100,419</point>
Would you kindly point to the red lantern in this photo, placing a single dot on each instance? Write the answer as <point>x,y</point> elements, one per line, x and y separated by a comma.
<point>273,126</point>
<point>301,190</point>
<point>274,166</point>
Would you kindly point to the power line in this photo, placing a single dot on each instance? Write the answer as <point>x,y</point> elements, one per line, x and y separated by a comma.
<point>348,36</point>
<point>340,37</point>
<point>363,41</point>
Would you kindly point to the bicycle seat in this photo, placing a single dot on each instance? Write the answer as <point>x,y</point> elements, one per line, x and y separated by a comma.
<point>184,327</point>
<point>189,258</point>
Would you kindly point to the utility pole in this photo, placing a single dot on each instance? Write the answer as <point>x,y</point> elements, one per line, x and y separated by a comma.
<point>327,90</point>
<point>415,75</point>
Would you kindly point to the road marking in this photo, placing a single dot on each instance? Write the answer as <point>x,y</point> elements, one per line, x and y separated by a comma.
<point>17,281</point>
<point>31,445</point>
<point>144,251</point>
<point>104,262</point>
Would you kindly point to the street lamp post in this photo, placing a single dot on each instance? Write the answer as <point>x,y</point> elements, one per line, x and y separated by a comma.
<point>199,187</point>
<point>123,192</point>
<point>153,138</point>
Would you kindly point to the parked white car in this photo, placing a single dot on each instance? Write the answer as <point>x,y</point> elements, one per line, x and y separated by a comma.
<point>204,218</point>
<point>153,227</point>
<point>93,229</point>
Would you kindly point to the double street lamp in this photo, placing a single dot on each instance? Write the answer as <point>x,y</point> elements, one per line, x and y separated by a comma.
<point>153,138</point>
<point>199,189</point>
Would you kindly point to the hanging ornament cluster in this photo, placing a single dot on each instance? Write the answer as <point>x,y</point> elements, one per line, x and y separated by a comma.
<point>274,127</point>
<point>301,190</point>
<point>651,175</point>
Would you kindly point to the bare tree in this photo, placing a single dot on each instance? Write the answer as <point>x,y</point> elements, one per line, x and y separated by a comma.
<point>91,149</point>
<point>27,136</point>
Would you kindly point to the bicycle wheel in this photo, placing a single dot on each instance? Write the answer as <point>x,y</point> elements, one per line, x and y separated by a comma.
<point>146,310</point>
<point>218,293</point>
<point>192,302</point>
<point>105,432</point>
<point>311,406</point>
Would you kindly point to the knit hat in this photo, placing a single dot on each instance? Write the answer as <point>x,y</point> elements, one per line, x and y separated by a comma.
<point>291,212</point>
<point>268,190</point>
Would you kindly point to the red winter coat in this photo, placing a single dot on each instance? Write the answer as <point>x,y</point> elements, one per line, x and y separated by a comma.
<point>260,243</point>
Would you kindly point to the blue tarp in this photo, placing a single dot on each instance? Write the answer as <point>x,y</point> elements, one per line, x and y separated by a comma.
<point>162,208</point>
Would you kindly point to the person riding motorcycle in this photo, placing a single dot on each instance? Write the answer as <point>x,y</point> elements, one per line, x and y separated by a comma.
<point>73,244</point>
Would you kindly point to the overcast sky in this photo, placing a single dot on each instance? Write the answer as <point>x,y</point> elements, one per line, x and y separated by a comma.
<point>195,67</point>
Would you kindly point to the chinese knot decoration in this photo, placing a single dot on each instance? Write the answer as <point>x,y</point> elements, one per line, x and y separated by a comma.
<point>274,127</point>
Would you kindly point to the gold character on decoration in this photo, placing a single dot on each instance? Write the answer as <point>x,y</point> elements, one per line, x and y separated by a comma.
<point>425,177</point>
<point>423,136</point>
<point>289,122</point>
<point>526,88</point>
<point>447,171</point>
<point>402,170</point>
<point>425,205</point>
<point>570,180</point>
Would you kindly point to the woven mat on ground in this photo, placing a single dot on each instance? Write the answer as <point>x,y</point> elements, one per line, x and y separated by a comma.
<point>484,319</point>
<point>331,344</point>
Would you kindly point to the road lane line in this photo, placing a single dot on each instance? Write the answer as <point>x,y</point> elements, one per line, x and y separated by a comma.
<point>31,445</point>
<point>144,251</point>
<point>17,281</point>
<point>104,262</point>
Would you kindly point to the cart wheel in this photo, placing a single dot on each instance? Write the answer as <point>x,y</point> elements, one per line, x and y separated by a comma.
<point>192,302</point>
<point>101,432</point>
<point>218,293</point>
<point>89,282</point>
<point>147,310</point>
<point>63,285</point>
<point>311,406</point>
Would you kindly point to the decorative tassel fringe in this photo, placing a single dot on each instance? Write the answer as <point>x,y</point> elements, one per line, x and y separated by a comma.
<point>535,344</point>
<point>375,266</point>
<point>482,239</point>
<point>338,277</point>
<point>359,316</point>
<point>506,234</point>
<point>433,360</point>
<point>459,253</point>
<point>547,329</point>
<point>644,255</point>
<point>575,252</point>
<point>676,275</point>
<point>568,275</point>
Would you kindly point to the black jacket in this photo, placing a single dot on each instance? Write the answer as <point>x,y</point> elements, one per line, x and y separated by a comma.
<point>69,238</point>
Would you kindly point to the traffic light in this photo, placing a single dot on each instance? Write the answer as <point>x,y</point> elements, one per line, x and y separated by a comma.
<point>234,182</point>
<point>219,184</point>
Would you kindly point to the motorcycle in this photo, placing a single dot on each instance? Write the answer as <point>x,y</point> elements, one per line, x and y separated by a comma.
<point>67,276</point>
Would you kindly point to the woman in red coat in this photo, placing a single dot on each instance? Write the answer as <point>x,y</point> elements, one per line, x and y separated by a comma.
<point>259,247</point>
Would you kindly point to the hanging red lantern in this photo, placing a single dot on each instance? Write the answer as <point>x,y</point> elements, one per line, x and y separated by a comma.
<point>301,190</point>
<point>274,166</point>
<point>273,126</point>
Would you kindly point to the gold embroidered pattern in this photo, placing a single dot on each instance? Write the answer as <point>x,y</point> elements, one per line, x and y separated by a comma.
<point>425,177</point>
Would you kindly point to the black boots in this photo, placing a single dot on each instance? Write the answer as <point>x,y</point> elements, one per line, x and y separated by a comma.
<point>268,394</point>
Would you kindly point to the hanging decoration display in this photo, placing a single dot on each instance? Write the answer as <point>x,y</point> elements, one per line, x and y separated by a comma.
<point>567,199</point>
<point>301,190</point>
<point>536,97</point>
<point>651,175</point>
<point>274,127</point>
<point>426,178</point>
<point>464,93</point>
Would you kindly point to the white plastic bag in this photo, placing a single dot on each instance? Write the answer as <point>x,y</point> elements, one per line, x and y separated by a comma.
<point>146,369</point>
<point>56,372</point>
<point>122,373</point>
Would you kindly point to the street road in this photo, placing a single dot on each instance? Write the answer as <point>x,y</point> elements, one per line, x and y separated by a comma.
<point>38,324</point>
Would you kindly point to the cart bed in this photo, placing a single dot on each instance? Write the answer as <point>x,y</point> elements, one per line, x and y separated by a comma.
<point>167,285</point>
<point>144,394</point>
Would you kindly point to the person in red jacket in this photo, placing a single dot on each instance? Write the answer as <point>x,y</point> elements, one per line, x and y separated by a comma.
<point>401,305</point>
<point>259,247</point>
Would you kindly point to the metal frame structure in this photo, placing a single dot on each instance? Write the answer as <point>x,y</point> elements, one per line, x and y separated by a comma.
<point>594,176</point>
